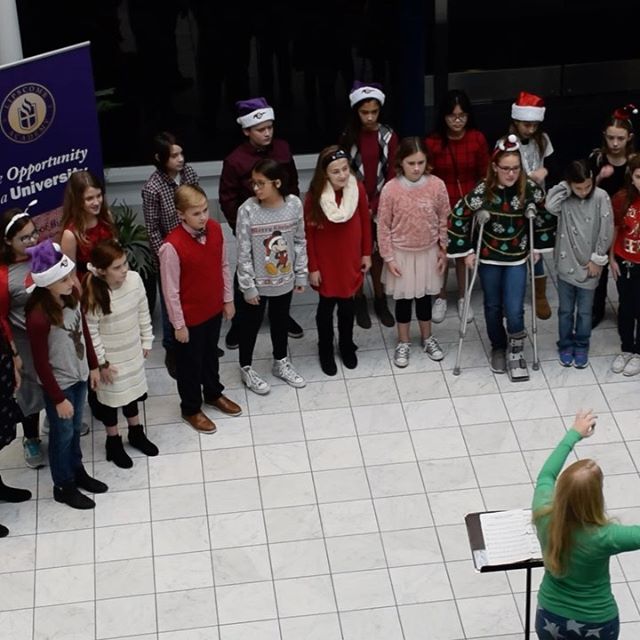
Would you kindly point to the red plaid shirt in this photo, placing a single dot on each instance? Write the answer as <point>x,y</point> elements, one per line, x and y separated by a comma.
<point>461,164</point>
<point>158,206</point>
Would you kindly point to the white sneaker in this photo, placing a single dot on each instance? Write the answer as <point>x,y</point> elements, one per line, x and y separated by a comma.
<point>432,349</point>
<point>402,354</point>
<point>253,381</point>
<point>620,361</point>
<point>470,315</point>
<point>284,370</point>
<point>439,310</point>
<point>632,367</point>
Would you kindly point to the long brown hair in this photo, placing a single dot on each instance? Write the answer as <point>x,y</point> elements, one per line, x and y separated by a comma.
<point>619,123</point>
<point>407,147</point>
<point>96,295</point>
<point>7,254</point>
<point>538,136</point>
<point>492,182</point>
<point>42,299</point>
<point>578,503</point>
<point>73,212</point>
<point>318,183</point>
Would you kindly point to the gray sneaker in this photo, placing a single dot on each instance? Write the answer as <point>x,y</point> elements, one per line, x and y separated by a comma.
<point>498,361</point>
<point>620,362</point>
<point>432,349</point>
<point>284,370</point>
<point>33,456</point>
<point>402,354</point>
<point>253,381</point>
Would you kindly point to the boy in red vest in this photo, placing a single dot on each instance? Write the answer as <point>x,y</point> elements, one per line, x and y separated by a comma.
<point>198,292</point>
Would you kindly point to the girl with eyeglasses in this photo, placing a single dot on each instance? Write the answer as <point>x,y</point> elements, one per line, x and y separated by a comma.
<point>459,155</point>
<point>527,115</point>
<point>505,193</point>
<point>18,233</point>
<point>272,265</point>
<point>338,229</point>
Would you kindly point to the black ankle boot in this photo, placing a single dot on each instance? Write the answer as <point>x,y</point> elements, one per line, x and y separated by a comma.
<point>327,361</point>
<point>138,439</point>
<point>4,532</point>
<point>117,454</point>
<point>70,495</point>
<point>11,494</point>
<point>348,355</point>
<point>382,311</point>
<point>86,482</point>
<point>362,312</point>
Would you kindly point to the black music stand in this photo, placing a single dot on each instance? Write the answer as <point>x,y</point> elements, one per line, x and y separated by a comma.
<point>476,541</point>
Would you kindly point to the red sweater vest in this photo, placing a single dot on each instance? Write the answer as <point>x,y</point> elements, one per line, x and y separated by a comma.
<point>201,280</point>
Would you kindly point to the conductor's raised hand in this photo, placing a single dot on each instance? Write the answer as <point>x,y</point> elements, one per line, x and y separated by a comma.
<point>585,422</point>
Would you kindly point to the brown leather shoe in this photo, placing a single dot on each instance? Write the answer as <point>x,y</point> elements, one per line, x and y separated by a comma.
<point>225,405</point>
<point>200,423</point>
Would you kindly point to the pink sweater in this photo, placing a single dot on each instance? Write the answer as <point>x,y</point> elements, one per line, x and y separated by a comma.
<point>412,216</point>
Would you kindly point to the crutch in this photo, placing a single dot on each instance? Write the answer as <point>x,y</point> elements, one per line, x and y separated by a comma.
<point>530,214</point>
<point>480,219</point>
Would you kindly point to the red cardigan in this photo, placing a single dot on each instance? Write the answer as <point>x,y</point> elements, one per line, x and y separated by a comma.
<point>336,249</point>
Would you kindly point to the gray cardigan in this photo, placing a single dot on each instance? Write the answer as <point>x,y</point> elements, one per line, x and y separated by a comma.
<point>585,231</point>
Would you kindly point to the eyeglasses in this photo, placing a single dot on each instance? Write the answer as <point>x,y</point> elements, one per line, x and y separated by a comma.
<point>509,169</point>
<point>259,184</point>
<point>457,117</point>
<point>32,237</point>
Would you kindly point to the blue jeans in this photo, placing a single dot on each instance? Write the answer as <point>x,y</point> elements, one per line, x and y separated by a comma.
<point>65,456</point>
<point>574,316</point>
<point>504,287</point>
<point>549,626</point>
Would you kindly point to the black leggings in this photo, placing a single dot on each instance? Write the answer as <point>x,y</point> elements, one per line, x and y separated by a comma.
<point>251,316</point>
<point>423,309</point>
<point>31,425</point>
<point>324,321</point>
<point>109,415</point>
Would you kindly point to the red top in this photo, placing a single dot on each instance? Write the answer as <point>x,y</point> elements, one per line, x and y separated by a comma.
<point>463,161</point>
<point>201,279</point>
<point>336,249</point>
<point>101,231</point>
<point>370,154</point>
<point>627,224</point>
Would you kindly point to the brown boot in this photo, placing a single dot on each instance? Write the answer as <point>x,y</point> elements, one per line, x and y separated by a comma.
<point>543,310</point>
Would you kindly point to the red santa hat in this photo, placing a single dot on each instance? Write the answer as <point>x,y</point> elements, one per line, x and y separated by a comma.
<point>528,107</point>
<point>625,113</point>
<point>507,144</point>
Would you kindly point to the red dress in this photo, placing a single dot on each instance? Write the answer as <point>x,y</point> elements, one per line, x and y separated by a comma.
<point>336,249</point>
<point>102,231</point>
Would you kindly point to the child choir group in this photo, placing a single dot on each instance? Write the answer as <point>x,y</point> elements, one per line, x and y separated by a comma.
<point>75,320</point>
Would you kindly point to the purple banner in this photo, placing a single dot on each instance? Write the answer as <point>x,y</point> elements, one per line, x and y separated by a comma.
<point>48,130</point>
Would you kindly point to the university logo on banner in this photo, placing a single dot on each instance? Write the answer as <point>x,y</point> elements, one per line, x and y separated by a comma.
<point>48,130</point>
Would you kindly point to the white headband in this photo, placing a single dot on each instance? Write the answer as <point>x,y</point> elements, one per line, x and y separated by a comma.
<point>22,214</point>
<point>256,117</point>
<point>366,93</point>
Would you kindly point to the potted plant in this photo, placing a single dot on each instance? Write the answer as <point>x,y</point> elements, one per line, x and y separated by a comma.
<point>134,240</point>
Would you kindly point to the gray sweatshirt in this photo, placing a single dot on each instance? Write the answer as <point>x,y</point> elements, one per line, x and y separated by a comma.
<point>585,231</point>
<point>272,248</point>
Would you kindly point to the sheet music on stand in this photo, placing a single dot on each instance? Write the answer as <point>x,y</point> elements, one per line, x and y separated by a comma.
<point>509,537</point>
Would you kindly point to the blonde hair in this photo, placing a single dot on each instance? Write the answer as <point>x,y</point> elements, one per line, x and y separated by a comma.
<point>189,195</point>
<point>578,503</point>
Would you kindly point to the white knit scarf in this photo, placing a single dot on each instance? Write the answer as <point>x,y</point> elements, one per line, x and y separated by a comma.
<point>348,205</point>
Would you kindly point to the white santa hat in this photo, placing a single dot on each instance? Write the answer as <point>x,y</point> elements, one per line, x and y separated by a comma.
<point>366,91</point>
<point>253,112</point>
<point>528,108</point>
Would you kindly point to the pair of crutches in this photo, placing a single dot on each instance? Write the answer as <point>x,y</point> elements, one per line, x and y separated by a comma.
<point>480,218</point>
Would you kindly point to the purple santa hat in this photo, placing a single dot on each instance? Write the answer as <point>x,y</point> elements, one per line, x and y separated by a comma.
<point>48,264</point>
<point>253,112</point>
<point>366,91</point>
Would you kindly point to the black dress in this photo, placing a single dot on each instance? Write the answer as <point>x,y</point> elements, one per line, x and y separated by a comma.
<point>9,412</point>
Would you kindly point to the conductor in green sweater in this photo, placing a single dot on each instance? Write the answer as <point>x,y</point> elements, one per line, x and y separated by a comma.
<point>577,540</point>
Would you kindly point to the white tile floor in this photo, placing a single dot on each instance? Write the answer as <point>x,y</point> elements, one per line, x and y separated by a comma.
<point>334,511</point>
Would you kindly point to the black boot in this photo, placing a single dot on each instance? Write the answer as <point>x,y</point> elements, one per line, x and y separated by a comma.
<point>86,482</point>
<point>382,311</point>
<point>11,494</point>
<point>170,362</point>
<point>4,532</point>
<point>327,361</point>
<point>362,312</point>
<point>138,439</point>
<point>348,355</point>
<point>117,454</point>
<point>70,495</point>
